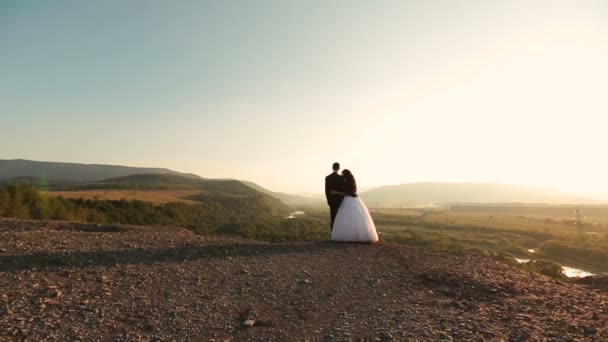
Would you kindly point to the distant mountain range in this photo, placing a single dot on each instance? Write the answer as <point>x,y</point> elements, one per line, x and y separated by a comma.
<point>79,177</point>
<point>601,196</point>
<point>92,176</point>
<point>73,172</point>
<point>289,199</point>
<point>96,176</point>
<point>228,192</point>
<point>435,192</point>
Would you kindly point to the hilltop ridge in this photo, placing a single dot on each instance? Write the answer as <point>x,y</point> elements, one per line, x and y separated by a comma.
<point>451,192</point>
<point>67,281</point>
<point>61,175</point>
<point>74,172</point>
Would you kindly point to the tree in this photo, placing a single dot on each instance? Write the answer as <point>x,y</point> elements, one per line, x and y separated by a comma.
<point>17,207</point>
<point>5,201</point>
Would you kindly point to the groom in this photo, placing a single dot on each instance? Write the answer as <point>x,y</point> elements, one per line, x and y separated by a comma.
<point>333,182</point>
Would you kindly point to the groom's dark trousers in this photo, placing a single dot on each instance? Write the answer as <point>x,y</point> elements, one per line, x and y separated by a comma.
<point>333,182</point>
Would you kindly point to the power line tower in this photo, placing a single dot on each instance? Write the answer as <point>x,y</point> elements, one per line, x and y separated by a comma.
<point>578,216</point>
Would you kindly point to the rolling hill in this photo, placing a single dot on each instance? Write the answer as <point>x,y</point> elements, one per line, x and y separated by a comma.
<point>74,176</point>
<point>289,199</point>
<point>167,182</point>
<point>73,172</point>
<point>227,192</point>
<point>424,193</point>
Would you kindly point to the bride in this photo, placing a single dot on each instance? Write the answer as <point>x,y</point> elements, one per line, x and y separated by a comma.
<point>353,222</point>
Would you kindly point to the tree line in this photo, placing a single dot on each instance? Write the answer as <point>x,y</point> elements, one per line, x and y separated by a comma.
<point>248,217</point>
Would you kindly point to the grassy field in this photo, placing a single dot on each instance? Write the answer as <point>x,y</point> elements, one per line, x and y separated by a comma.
<point>538,232</point>
<point>528,232</point>
<point>249,214</point>
<point>152,196</point>
<point>594,214</point>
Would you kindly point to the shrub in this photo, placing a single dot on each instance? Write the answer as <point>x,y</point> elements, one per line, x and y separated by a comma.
<point>247,217</point>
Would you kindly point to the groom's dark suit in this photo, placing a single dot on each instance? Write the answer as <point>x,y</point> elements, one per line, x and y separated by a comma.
<point>333,182</point>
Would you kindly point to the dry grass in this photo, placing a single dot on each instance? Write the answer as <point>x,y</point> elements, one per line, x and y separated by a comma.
<point>154,196</point>
<point>396,212</point>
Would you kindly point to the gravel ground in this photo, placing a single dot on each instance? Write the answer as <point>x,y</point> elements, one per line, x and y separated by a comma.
<point>71,281</point>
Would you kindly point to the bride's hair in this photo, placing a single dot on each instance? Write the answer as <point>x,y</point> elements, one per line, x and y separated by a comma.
<point>350,179</point>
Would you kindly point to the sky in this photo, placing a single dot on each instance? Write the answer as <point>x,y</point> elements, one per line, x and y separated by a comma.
<point>275,91</point>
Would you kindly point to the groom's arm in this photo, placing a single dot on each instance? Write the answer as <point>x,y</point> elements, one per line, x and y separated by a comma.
<point>327,190</point>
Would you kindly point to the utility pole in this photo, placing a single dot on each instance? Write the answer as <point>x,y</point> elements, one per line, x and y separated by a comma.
<point>578,216</point>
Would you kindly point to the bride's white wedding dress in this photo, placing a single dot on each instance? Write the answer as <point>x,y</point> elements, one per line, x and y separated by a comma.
<point>353,222</point>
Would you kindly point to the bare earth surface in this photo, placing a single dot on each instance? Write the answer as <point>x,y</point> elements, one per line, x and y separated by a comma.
<point>70,281</point>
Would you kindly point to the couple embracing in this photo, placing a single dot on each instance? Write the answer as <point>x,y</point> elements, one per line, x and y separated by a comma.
<point>350,219</point>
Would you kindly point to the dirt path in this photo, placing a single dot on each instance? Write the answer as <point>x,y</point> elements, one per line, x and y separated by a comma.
<point>64,281</point>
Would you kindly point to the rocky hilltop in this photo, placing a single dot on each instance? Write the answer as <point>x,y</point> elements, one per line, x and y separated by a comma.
<point>71,281</point>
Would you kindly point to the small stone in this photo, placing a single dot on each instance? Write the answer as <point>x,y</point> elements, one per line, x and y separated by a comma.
<point>591,330</point>
<point>249,323</point>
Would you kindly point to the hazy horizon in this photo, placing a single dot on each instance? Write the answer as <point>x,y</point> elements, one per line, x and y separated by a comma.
<point>274,92</point>
<point>319,193</point>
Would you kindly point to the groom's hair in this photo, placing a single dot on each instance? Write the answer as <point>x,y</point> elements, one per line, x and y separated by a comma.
<point>336,166</point>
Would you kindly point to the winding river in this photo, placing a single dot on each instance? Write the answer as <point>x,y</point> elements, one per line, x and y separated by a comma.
<point>295,214</point>
<point>570,272</point>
